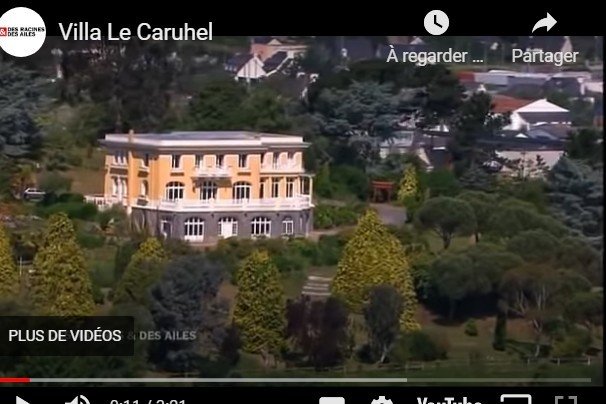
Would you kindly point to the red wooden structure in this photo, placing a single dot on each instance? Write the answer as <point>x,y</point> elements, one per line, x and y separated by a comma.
<point>382,191</point>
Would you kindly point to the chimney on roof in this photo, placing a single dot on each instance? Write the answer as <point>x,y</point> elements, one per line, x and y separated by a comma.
<point>131,136</point>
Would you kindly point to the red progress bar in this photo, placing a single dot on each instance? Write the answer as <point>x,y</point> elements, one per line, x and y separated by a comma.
<point>14,380</point>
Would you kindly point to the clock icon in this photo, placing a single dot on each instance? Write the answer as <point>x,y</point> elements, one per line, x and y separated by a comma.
<point>436,22</point>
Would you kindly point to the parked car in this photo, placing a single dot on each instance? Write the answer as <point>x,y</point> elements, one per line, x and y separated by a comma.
<point>33,194</point>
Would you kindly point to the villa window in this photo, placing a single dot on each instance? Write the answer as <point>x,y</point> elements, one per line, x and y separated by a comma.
<point>175,162</point>
<point>288,226</point>
<point>241,190</point>
<point>260,227</point>
<point>290,187</point>
<point>228,227</point>
<point>124,183</point>
<point>220,160</point>
<point>275,187</point>
<point>174,191</point>
<point>144,188</point>
<point>208,190</point>
<point>145,160</point>
<point>193,229</point>
<point>242,160</point>
<point>262,189</point>
<point>291,158</point>
<point>120,157</point>
<point>276,159</point>
<point>115,186</point>
<point>199,161</point>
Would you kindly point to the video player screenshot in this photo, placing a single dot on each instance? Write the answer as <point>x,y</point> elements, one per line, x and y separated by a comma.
<point>194,208</point>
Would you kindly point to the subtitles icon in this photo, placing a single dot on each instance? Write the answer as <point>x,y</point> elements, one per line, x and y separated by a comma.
<point>332,400</point>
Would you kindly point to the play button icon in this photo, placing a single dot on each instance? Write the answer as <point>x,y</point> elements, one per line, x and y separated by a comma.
<point>21,401</point>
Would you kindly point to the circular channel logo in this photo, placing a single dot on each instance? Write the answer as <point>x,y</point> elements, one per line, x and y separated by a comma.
<point>22,32</point>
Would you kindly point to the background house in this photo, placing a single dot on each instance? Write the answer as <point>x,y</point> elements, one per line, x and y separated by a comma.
<point>264,47</point>
<point>539,112</point>
<point>246,67</point>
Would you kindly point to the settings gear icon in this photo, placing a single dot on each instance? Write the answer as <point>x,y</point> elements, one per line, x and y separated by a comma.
<point>381,400</point>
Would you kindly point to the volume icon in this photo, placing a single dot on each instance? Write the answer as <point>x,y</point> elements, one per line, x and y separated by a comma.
<point>79,400</point>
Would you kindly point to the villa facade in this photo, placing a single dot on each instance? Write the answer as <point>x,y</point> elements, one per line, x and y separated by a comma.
<point>203,186</point>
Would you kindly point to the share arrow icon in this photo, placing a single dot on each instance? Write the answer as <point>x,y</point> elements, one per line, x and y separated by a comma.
<point>547,22</point>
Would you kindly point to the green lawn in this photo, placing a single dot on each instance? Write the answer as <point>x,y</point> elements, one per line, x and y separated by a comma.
<point>101,265</point>
<point>89,178</point>
<point>458,243</point>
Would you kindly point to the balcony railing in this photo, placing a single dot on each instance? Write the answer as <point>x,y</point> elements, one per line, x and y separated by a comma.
<point>102,202</point>
<point>212,172</point>
<point>290,167</point>
<point>268,204</point>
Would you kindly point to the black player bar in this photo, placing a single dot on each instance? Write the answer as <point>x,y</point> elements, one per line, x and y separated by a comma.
<point>364,19</point>
<point>298,395</point>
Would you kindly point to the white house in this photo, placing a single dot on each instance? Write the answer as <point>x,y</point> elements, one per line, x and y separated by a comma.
<point>539,112</point>
<point>246,67</point>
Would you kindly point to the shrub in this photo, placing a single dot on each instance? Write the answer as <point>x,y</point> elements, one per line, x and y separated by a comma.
<point>54,182</point>
<point>323,217</point>
<point>572,345</point>
<point>329,216</point>
<point>74,210</point>
<point>500,332</point>
<point>471,329</point>
<point>90,241</point>
<point>98,296</point>
<point>425,347</point>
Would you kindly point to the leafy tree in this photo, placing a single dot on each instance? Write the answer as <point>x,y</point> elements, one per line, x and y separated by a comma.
<point>9,274</point>
<point>442,97</point>
<point>259,311</point>
<point>318,330</point>
<point>578,255</point>
<point>23,177</point>
<point>477,179</point>
<point>576,193</point>
<point>55,182</point>
<point>534,245</point>
<point>373,256</point>
<point>513,216</point>
<point>483,205</point>
<point>216,105</point>
<point>475,272</point>
<point>409,185</point>
<point>533,190</point>
<point>264,110</point>
<point>119,77</point>
<point>382,315</point>
<point>500,331</point>
<point>446,217</point>
<point>223,104</point>
<point>586,308</point>
<point>455,279</point>
<point>60,283</point>
<point>440,182</point>
<point>20,100</point>
<point>474,119</point>
<point>186,299</point>
<point>537,293</point>
<point>585,144</point>
<point>144,269</point>
<point>360,117</point>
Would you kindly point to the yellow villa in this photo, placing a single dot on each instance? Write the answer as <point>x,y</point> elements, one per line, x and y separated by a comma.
<point>201,186</point>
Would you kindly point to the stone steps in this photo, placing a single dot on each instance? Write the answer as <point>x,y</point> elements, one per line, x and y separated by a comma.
<point>317,286</point>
